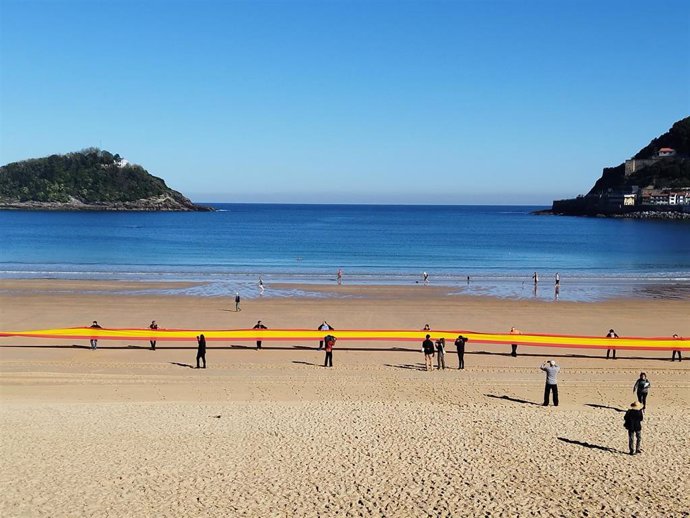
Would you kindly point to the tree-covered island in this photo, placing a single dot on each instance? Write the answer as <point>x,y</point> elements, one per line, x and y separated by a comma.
<point>91,179</point>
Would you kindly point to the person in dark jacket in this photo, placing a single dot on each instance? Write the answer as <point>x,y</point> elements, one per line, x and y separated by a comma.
<point>428,350</point>
<point>237,301</point>
<point>259,325</point>
<point>441,353</point>
<point>460,342</point>
<point>611,334</point>
<point>153,326</point>
<point>633,423</point>
<point>201,350</point>
<point>641,387</point>
<point>676,351</point>
<point>329,340</point>
<point>513,347</point>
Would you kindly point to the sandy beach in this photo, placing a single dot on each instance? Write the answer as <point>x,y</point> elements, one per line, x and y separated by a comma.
<point>126,431</point>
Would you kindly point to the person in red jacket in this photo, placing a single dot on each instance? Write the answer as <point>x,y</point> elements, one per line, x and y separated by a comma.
<point>329,341</point>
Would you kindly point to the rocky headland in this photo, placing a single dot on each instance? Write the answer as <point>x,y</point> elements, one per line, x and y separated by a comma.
<point>88,180</point>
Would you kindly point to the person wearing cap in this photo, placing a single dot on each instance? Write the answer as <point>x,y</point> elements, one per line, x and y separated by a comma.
<point>633,423</point>
<point>641,387</point>
<point>428,350</point>
<point>551,370</point>
<point>460,342</point>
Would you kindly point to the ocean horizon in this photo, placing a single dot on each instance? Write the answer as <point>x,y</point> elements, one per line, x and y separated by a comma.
<point>498,247</point>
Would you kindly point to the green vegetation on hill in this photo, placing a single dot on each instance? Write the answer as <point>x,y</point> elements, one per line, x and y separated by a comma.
<point>90,176</point>
<point>673,172</point>
<point>678,138</point>
<point>668,172</point>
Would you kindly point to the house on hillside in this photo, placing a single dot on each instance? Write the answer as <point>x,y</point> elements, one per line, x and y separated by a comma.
<point>665,196</point>
<point>666,151</point>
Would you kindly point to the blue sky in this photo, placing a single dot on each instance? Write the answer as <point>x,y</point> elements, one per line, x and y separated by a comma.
<point>506,102</point>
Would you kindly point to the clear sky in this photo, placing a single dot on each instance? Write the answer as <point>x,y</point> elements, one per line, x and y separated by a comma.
<point>463,102</point>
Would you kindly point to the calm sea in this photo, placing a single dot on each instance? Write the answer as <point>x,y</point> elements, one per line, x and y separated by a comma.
<point>498,247</point>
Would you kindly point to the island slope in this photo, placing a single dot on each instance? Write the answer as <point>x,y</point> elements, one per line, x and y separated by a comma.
<point>91,179</point>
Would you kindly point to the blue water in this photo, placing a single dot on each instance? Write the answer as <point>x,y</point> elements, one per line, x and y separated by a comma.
<point>499,247</point>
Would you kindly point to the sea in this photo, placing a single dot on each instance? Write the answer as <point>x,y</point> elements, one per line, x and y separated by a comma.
<point>471,250</point>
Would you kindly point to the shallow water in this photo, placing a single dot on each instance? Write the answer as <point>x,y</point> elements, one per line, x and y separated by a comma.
<point>498,247</point>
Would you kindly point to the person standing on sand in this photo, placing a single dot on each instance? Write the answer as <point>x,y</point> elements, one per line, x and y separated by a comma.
<point>94,341</point>
<point>153,326</point>
<point>676,351</point>
<point>611,334</point>
<point>551,370</point>
<point>641,387</point>
<point>632,421</point>
<point>259,325</point>
<point>441,353</point>
<point>325,326</point>
<point>460,342</point>
<point>428,350</point>
<point>513,352</point>
<point>237,301</point>
<point>330,343</point>
<point>201,350</point>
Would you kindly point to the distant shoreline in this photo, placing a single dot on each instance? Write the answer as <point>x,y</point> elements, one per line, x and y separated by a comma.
<point>570,290</point>
<point>135,206</point>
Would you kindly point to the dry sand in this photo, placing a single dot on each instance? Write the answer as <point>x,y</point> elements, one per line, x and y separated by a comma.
<point>125,431</point>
